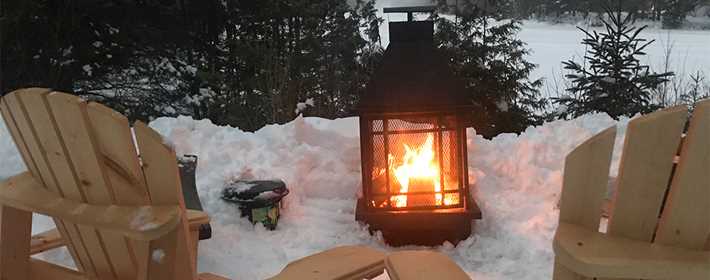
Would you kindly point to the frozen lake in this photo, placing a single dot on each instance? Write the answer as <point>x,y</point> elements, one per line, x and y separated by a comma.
<point>551,44</point>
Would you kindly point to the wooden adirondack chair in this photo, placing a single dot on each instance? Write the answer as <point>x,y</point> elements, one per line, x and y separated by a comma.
<point>659,226</point>
<point>121,215</point>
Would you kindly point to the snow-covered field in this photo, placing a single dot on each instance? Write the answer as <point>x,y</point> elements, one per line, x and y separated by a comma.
<point>518,181</point>
<point>553,43</point>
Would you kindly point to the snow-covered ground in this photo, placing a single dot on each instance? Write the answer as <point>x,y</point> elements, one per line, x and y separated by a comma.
<point>518,181</point>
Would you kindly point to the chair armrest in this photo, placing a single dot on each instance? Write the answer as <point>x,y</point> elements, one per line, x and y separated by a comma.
<point>51,239</point>
<point>143,223</point>
<point>196,218</point>
<point>594,254</point>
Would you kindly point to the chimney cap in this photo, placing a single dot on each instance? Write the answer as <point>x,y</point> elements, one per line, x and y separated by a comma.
<point>410,9</point>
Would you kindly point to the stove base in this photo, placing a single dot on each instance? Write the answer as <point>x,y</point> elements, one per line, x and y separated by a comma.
<point>420,227</point>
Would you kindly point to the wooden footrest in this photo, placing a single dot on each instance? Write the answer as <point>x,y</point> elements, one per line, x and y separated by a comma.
<point>416,265</point>
<point>341,263</point>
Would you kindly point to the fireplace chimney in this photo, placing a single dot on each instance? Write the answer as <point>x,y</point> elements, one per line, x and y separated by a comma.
<point>410,30</point>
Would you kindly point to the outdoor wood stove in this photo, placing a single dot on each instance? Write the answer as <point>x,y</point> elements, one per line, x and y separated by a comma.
<point>413,142</point>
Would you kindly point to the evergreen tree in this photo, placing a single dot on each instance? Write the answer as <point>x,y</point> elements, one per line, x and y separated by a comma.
<point>491,60</point>
<point>292,51</point>
<point>611,78</point>
<point>373,52</point>
<point>242,63</point>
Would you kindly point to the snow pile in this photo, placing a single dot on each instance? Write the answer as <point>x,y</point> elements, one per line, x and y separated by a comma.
<point>518,181</point>
<point>301,106</point>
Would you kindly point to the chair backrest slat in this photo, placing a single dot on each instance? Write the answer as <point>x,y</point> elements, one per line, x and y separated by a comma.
<point>25,134</point>
<point>18,139</point>
<point>649,149</point>
<point>684,222</point>
<point>118,153</point>
<point>123,171</point>
<point>585,180</point>
<point>164,186</point>
<point>69,113</point>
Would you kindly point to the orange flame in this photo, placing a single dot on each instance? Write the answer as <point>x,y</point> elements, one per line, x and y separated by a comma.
<point>417,165</point>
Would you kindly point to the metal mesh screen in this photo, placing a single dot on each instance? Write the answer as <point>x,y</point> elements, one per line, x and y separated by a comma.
<point>450,158</point>
<point>379,165</point>
<point>377,125</point>
<point>413,123</point>
<point>415,163</point>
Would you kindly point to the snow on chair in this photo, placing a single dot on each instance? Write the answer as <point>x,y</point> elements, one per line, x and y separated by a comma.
<point>659,227</point>
<point>121,215</point>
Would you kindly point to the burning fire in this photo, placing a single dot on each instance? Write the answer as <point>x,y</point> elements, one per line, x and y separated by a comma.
<point>418,171</point>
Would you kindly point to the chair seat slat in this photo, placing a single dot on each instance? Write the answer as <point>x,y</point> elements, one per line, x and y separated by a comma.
<point>596,254</point>
<point>404,265</point>
<point>340,263</point>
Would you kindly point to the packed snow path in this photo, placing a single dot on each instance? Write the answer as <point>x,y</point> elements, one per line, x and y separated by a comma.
<point>518,181</point>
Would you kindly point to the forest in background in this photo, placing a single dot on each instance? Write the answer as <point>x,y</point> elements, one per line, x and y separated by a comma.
<point>243,63</point>
<point>252,63</point>
<point>248,63</point>
<point>671,13</point>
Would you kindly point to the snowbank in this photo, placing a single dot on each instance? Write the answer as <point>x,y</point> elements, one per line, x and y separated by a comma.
<point>518,181</point>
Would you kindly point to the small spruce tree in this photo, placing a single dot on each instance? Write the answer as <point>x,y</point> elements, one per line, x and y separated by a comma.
<point>696,91</point>
<point>611,78</point>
